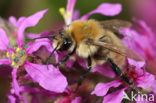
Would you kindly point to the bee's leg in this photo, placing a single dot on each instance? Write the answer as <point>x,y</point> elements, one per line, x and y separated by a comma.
<point>118,72</point>
<point>115,68</point>
<point>65,58</point>
<point>83,75</point>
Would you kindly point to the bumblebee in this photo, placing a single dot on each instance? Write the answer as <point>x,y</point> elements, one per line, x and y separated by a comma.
<point>97,43</point>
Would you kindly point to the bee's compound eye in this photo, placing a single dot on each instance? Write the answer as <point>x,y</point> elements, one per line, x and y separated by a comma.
<point>66,44</point>
<point>68,25</point>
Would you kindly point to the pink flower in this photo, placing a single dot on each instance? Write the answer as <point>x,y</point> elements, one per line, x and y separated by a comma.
<point>71,95</point>
<point>17,57</point>
<point>139,77</point>
<point>76,100</point>
<point>67,15</point>
<point>145,10</point>
<point>141,39</point>
<point>106,9</point>
<point>12,98</point>
<point>35,93</point>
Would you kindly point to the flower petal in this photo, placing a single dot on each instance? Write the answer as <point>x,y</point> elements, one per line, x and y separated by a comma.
<point>4,41</point>
<point>106,9</point>
<point>13,20</point>
<point>146,81</point>
<point>4,61</point>
<point>115,97</point>
<point>76,15</point>
<point>153,86</point>
<point>134,36</point>
<point>70,5</point>
<point>69,11</point>
<point>20,20</point>
<point>139,64</point>
<point>32,47</point>
<point>38,91</point>
<point>102,88</point>
<point>28,22</point>
<point>12,98</point>
<point>15,86</point>
<point>34,35</point>
<point>51,79</point>
<point>104,70</point>
<point>76,100</point>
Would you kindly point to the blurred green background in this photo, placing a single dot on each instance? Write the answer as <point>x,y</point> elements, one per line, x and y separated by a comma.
<point>52,19</point>
<point>19,8</point>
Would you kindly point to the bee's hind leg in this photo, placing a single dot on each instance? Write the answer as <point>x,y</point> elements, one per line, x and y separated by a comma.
<point>83,75</point>
<point>118,72</point>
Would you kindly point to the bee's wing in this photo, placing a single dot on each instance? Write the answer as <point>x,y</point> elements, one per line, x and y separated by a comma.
<point>115,24</point>
<point>124,51</point>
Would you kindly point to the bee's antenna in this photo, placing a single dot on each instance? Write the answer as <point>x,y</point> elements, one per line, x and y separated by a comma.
<point>51,36</point>
<point>51,55</point>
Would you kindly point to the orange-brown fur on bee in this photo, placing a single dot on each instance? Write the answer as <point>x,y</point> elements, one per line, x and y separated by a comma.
<point>82,31</point>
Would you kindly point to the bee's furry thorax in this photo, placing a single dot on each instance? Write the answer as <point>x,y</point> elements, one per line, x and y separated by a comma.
<point>81,31</point>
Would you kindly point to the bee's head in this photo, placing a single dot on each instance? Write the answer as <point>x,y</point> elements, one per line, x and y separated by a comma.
<point>62,41</point>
